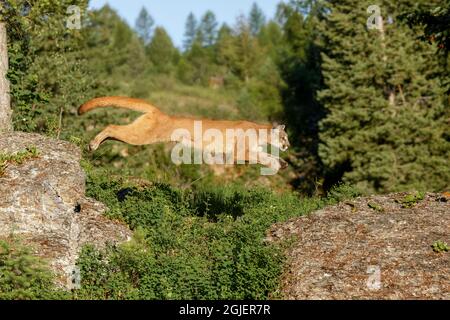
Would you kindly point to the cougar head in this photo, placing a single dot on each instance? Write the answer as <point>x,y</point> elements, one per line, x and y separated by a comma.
<point>283,141</point>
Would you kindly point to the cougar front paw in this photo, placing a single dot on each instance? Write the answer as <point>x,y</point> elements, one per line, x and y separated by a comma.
<point>283,164</point>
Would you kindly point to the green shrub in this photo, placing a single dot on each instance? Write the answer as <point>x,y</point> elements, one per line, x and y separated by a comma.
<point>24,276</point>
<point>411,199</point>
<point>440,246</point>
<point>200,243</point>
<point>343,192</point>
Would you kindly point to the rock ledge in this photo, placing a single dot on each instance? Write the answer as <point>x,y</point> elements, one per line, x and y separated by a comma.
<point>368,248</point>
<point>43,202</point>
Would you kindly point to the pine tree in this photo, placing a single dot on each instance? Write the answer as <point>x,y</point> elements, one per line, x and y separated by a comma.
<point>190,32</point>
<point>226,52</point>
<point>108,33</point>
<point>435,22</point>
<point>385,127</point>
<point>161,50</point>
<point>208,29</point>
<point>271,37</point>
<point>249,53</point>
<point>298,59</point>
<point>256,19</point>
<point>144,25</point>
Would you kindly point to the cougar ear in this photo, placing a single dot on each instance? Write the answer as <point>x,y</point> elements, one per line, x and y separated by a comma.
<point>275,125</point>
<point>281,127</point>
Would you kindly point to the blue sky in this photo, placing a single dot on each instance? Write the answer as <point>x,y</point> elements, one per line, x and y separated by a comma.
<point>172,14</point>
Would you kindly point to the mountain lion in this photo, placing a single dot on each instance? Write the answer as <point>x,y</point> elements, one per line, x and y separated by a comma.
<point>155,126</point>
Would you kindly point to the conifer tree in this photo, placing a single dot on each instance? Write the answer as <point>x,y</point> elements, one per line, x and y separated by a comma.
<point>190,31</point>
<point>225,47</point>
<point>144,25</point>
<point>208,29</point>
<point>161,50</point>
<point>298,59</point>
<point>385,128</point>
<point>38,37</point>
<point>256,19</point>
<point>271,37</point>
<point>248,52</point>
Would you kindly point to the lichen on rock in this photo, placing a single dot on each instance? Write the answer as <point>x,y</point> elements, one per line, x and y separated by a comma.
<point>372,247</point>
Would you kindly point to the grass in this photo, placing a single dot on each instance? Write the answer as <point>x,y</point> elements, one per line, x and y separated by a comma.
<point>196,101</point>
<point>17,158</point>
<point>440,246</point>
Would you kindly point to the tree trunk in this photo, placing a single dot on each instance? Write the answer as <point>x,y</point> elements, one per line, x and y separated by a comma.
<point>5,100</point>
<point>391,90</point>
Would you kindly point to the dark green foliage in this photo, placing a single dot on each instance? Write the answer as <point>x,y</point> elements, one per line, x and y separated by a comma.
<point>297,69</point>
<point>246,55</point>
<point>434,18</point>
<point>214,202</point>
<point>32,46</point>
<point>359,107</point>
<point>436,22</point>
<point>385,127</point>
<point>299,63</point>
<point>343,192</point>
<point>205,243</point>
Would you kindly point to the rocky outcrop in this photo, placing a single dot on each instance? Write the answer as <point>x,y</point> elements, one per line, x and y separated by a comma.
<point>43,202</point>
<point>377,247</point>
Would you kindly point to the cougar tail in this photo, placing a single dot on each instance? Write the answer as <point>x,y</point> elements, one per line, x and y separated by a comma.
<point>121,102</point>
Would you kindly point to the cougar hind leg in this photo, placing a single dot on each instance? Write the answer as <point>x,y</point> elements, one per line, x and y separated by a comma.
<point>131,134</point>
<point>113,132</point>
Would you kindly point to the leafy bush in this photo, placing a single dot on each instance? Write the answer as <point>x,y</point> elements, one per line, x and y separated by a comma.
<point>201,243</point>
<point>342,192</point>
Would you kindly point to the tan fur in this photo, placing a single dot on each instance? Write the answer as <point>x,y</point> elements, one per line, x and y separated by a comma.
<point>155,126</point>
